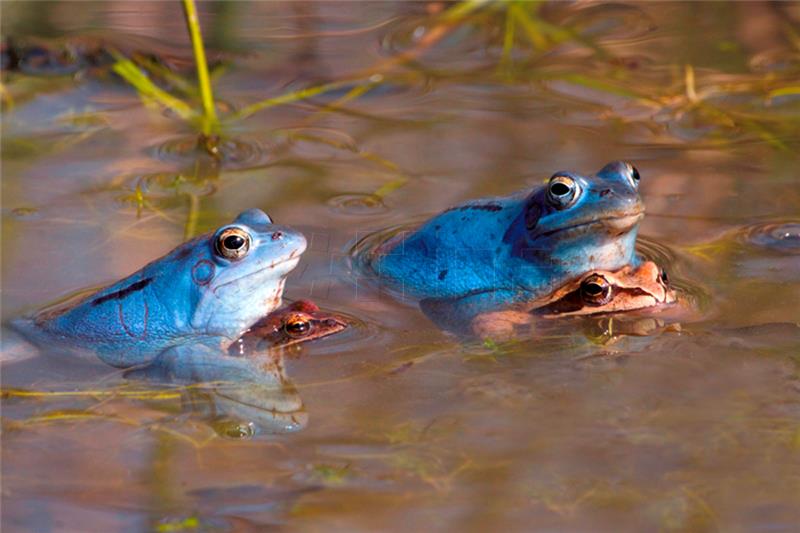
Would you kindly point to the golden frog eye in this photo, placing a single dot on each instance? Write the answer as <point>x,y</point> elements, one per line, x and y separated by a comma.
<point>297,326</point>
<point>233,243</point>
<point>595,290</point>
<point>562,191</point>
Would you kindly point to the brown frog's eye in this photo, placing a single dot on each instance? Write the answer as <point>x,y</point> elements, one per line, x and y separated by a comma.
<point>595,290</point>
<point>562,191</point>
<point>297,326</point>
<point>233,243</point>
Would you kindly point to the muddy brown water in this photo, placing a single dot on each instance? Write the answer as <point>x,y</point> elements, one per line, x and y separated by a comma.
<point>396,425</point>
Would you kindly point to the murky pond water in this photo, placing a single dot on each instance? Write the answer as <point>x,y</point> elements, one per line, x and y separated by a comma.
<point>394,424</point>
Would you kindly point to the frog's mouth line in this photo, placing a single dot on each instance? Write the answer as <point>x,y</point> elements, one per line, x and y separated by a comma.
<point>271,266</point>
<point>617,224</point>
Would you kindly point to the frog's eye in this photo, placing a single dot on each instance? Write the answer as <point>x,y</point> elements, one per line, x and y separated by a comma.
<point>562,191</point>
<point>297,326</point>
<point>633,175</point>
<point>233,243</point>
<point>595,290</point>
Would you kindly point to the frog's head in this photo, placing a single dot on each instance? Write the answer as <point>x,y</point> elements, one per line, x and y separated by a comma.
<point>302,321</point>
<point>235,275</point>
<point>596,292</point>
<point>581,223</point>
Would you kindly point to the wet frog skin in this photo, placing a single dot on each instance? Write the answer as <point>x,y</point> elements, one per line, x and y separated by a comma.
<point>206,292</point>
<point>302,321</point>
<point>627,289</point>
<point>496,251</point>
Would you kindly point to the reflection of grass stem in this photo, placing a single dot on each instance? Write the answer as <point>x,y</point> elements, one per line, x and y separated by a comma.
<point>190,228</point>
<point>691,93</point>
<point>6,97</point>
<point>209,121</point>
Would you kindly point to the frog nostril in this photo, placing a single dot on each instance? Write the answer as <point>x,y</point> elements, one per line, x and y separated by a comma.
<point>277,235</point>
<point>606,192</point>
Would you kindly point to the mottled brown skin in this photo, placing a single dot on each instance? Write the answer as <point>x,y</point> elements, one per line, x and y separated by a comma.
<point>302,321</point>
<point>596,292</point>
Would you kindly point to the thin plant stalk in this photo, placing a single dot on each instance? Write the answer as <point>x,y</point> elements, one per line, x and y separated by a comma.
<point>210,121</point>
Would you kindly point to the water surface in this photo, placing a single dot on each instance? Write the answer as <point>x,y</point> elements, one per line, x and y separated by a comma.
<point>397,425</point>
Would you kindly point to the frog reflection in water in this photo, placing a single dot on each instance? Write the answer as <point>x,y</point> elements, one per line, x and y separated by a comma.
<point>487,254</point>
<point>251,392</point>
<point>627,289</point>
<point>200,297</point>
<point>245,395</point>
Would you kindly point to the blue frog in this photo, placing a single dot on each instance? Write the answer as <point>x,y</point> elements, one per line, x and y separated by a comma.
<point>200,297</point>
<point>489,253</point>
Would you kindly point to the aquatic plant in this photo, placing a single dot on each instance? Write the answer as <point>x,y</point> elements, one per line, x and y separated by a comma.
<point>205,119</point>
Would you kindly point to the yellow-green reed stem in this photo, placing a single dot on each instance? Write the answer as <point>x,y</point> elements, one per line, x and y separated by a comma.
<point>532,26</point>
<point>293,97</point>
<point>462,9</point>
<point>147,89</point>
<point>508,39</point>
<point>352,94</point>
<point>209,123</point>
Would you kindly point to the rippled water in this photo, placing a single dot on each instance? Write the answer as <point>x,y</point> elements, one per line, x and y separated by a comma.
<point>393,424</point>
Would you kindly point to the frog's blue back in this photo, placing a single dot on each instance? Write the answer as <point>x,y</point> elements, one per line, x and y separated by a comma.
<point>457,252</point>
<point>200,293</point>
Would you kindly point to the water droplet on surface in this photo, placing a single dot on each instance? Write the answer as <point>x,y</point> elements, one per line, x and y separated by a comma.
<point>781,237</point>
<point>358,204</point>
<point>238,153</point>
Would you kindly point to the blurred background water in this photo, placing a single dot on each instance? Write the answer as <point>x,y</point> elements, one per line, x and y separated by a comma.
<point>398,425</point>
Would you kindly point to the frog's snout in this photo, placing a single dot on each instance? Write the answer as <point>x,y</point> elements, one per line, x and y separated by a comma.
<point>287,245</point>
<point>294,240</point>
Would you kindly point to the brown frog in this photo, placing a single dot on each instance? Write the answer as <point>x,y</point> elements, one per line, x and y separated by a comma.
<point>598,291</point>
<point>301,321</point>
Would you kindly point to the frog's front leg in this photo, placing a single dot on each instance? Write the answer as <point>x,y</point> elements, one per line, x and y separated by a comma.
<point>457,314</point>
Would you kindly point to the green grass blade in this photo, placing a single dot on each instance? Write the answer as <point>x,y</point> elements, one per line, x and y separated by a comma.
<point>792,90</point>
<point>291,97</point>
<point>146,88</point>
